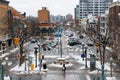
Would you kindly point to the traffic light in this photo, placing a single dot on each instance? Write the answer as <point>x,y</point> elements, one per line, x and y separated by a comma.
<point>16,40</point>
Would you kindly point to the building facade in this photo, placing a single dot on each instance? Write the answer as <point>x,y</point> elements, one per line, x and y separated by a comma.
<point>104,23</point>
<point>44,15</point>
<point>69,17</point>
<point>6,12</point>
<point>114,21</point>
<point>45,25</point>
<point>93,7</point>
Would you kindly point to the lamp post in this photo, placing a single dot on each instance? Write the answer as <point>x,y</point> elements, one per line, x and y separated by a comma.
<point>2,73</point>
<point>40,60</point>
<point>111,60</point>
<point>5,64</point>
<point>35,56</point>
<point>60,47</point>
<point>83,50</point>
<point>86,57</point>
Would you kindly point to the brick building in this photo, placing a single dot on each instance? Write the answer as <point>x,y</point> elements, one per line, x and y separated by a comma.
<point>114,21</point>
<point>45,24</point>
<point>5,12</point>
<point>44,15</point>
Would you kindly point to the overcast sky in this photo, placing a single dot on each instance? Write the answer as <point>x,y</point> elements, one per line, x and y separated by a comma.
<point>56,7</point>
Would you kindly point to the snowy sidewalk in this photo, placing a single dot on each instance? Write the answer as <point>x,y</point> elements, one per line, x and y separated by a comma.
<point>11,51</point>
<point>21,70</point>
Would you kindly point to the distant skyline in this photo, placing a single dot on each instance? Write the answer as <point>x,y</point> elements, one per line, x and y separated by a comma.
<point>56,7</point>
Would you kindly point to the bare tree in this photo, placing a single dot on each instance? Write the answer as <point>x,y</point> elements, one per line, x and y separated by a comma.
<point>16,29</point>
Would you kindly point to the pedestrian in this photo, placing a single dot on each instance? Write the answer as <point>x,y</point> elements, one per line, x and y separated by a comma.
<point>64,68</point>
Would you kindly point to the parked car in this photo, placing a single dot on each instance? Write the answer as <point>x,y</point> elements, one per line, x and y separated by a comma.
<point>90,43</point>
<point>70,35</point>
<point>81,36</point>
<point>33,40</point>
<point>46,47</point>
<point>73,41</point>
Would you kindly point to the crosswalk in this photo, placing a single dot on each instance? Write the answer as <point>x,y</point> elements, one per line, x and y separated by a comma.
<point>69,75</point>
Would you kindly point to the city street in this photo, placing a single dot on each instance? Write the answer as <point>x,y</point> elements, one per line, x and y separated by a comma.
<point>60,40</point>
<point>75,69</point>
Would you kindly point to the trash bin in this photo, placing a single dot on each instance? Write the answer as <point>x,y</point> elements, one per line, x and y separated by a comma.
<point>92,62</point>
<point>44,66</point>
<point>92,66</point>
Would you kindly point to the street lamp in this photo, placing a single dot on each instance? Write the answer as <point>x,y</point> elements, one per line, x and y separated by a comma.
<point>111,60</point>
<point>35,56</point>
<point>5,63</point>
<point>60,47</point>
<point>86,57</point>
<point>40,60</point>
<point>83,51</point>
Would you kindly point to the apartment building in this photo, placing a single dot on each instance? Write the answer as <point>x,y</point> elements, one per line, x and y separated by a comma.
<point>93,7</point>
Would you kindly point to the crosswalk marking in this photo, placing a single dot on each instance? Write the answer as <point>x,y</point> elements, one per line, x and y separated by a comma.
<point>88,77</point>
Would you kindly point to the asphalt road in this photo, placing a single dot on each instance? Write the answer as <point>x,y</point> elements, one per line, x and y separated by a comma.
<point>72,73</point>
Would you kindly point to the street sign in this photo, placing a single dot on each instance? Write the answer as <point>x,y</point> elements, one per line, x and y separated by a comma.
<point>18,56</point>
<point>83,55</point>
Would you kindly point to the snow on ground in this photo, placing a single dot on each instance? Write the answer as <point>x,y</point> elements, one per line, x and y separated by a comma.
<point>98,64</point>
<point>6,78</point>
<point>59,65</point>
<point>3,55</point>
<point>6,54</point>
<point>14,49</point>
<point>78,58</point>
<point>111,78</point>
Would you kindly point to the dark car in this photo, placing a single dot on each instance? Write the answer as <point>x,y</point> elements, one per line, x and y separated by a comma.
<point>33,40</point>
<point>81,36</point>
<point>46,47</point>
<point>70,35</point>
<point>73,41</point>
<point>89,44</point>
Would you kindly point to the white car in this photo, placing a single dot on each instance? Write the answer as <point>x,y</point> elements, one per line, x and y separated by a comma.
<point>68,33</point>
